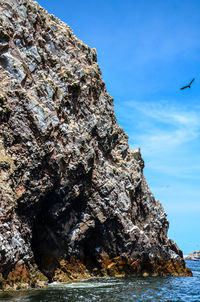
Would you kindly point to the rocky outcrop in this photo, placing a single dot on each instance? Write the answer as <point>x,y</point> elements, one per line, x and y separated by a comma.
<point>193,256</point>
<point>74,201</point>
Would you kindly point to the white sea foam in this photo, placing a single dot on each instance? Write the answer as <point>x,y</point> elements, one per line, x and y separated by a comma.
<point>85,284</point>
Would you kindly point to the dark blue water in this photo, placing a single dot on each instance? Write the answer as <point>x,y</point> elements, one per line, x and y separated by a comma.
<point>118,289</point>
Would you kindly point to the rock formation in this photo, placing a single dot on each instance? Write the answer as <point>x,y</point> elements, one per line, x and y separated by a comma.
<point>193,256</point>
<point>74,201</point>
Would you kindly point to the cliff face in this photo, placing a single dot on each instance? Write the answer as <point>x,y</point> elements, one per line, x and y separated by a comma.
<point>74,201</point>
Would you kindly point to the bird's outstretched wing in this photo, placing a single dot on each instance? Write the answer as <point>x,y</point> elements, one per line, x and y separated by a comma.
<point>191,81</point>
<point>188,86</point>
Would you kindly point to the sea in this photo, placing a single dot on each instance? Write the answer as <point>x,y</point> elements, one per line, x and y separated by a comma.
<point>117,289</point>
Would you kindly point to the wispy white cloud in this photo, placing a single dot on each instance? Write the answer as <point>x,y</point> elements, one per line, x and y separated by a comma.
<point>167,112</point>
<point>168,134</point>
<point>162,126</point>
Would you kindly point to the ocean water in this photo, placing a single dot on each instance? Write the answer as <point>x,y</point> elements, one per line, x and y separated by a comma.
<point>117,289</point>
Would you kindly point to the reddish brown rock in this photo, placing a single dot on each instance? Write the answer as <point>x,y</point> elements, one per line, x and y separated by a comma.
<point>74,201</point>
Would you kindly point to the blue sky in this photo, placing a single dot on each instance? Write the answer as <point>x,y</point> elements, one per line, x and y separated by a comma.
<point>147,50</point>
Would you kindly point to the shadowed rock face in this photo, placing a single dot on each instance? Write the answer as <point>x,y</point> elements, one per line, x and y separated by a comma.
<point>74,201</point>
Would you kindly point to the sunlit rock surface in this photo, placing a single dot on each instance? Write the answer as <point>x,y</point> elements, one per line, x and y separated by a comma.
<point>74,201</point>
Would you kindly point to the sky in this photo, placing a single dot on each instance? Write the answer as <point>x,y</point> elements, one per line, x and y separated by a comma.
<point>147,50</point>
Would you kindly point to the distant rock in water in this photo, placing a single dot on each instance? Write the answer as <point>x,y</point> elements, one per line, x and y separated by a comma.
<point>193,256</point>
<point>74,201</point>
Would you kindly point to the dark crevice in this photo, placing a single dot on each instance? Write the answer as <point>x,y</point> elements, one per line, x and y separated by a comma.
<point>57,214</point>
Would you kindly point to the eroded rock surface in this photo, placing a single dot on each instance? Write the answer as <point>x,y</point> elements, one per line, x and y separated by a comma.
<point>74,201</point>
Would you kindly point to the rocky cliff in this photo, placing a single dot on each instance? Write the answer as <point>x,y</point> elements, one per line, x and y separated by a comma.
<point>73,198</point>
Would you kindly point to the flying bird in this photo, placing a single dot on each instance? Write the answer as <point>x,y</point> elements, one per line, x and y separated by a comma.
<point>188,86</point>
